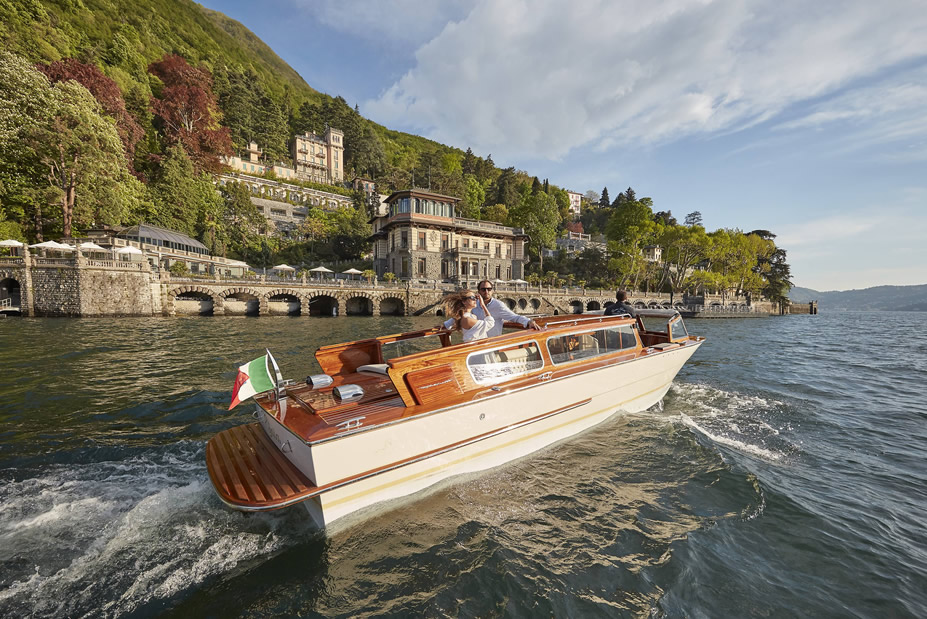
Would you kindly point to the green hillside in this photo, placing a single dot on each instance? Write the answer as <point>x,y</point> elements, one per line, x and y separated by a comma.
<point>122,37</point>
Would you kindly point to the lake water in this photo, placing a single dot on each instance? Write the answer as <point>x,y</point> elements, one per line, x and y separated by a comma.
<point>785,476</point>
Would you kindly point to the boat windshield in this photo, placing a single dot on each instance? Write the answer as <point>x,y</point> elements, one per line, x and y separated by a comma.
<point>678,329</point>
<point>401,348</point>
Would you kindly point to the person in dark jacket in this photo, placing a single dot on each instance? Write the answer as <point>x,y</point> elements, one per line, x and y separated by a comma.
<point>620,306</point>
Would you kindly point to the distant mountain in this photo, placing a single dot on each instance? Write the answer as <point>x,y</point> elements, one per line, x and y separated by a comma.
<point>900,298</point>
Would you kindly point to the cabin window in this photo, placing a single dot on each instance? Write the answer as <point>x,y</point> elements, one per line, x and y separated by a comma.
<point>575,346</point>
<point>497,366</point>
<point>678,329</point>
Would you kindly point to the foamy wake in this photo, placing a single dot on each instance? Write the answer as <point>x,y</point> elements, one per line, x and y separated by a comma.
<point>744,422</point>
<point>109,537</point>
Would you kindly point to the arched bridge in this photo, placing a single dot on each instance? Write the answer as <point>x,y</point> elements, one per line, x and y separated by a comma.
<point>281,298</point>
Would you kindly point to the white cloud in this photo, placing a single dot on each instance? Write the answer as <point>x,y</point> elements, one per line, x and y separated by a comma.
<point>531,78</point>
<point>410,22</point>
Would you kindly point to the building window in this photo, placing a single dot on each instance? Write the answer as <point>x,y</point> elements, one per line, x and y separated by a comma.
<point>421,240</point>
<point>445,241</point>
<point>405,267</point>
<point>466,243</point>
<point>498,271</point>
<point>508,273</point>
<point>404,240</point>
<point>421,266</point>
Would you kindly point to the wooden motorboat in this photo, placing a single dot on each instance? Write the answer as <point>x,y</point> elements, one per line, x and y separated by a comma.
<point>396,414</point>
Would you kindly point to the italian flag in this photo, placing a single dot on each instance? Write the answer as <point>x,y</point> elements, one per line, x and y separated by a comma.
<point>253,377</point>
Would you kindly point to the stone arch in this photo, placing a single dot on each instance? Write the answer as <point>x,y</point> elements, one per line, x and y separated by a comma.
<point>522,304</point>
<point>392,306</point>
<point>535,304</point>
<point>509,302</point>
<point>241,301</point>
<point>593,306</point>
<point>282,302</point>
<point>640,305</point>
<point>10,289</point>
<point>192,299</point>
<point>322,303</point>
<point>577,306</point>
<point>358,304</point>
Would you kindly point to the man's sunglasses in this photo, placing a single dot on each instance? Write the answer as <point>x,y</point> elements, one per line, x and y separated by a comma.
<point>482,289</point>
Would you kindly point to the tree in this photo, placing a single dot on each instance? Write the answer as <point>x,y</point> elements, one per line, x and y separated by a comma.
<point>241,221</point>
<point>592,197</point>
<point>84,160</point>
<point>473,197</point>
<point>694,219</point>
<point>506,189</point>
<point>185,200</point>
<point>603,201</point>
<point>539,216</point>
<point>187,112</point>
<point>683,248</point>
<point>665,217</point>
<point>496,212</point>
<point>107,94</point>
<point>26,102</point>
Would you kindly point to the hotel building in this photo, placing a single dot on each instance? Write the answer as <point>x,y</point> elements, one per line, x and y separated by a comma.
<point>417,235</point>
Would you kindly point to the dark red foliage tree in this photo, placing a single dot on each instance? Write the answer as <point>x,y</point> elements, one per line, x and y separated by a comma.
<point>574,226</point>
<point>106,92</point>
<point>188,112</point>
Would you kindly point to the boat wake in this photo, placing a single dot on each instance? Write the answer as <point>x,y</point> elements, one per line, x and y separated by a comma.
<point>749,424</point>
<point>112,537</point>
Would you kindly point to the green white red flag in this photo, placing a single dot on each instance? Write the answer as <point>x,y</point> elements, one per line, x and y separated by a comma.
<point>253,378</point>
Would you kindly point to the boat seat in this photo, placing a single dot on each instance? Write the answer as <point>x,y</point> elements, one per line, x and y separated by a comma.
<point>376,368</point>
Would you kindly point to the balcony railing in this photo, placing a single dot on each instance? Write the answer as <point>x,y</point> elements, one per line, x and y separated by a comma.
<point>473,251</point>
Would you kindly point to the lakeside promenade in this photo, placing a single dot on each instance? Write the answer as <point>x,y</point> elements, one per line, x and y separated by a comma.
<point>80,286</point>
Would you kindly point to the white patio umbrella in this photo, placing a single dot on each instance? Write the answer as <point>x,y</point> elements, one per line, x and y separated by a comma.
<point>11,243</point>
<point>282,267</point>
<point>352,272</point>
<point>88,246</point>
<point>130,250</point>
<point>320,271</point>
<point>64,247</point>
<point>519,281</point>
<point>44,245</point>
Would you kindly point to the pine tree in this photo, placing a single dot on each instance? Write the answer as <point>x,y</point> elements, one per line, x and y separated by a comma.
<point>603,201</point>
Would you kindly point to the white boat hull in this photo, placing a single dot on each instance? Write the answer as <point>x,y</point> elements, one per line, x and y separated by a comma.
<point>406,457</point>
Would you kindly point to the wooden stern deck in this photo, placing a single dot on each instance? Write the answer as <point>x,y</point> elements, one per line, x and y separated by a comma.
<point>249,472</point>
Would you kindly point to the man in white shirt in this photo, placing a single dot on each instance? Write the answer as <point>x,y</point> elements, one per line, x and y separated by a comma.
<point>498,310</point>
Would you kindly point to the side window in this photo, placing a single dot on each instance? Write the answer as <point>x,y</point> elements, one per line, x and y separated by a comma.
<point>496,366</point>
<point>566,348</point>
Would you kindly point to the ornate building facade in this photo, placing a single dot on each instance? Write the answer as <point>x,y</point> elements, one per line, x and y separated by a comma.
<point>417,236</point>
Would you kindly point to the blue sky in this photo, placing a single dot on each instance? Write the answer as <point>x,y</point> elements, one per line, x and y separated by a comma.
<point>806,119</point>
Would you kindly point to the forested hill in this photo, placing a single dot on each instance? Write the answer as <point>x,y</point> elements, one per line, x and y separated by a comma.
<point>123,37</point>
<point>878,298</point>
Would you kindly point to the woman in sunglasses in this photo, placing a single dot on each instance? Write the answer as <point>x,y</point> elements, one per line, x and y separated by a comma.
<point>459,307</point>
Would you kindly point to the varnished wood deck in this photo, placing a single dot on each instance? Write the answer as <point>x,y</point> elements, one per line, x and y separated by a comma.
<point>250,473</point>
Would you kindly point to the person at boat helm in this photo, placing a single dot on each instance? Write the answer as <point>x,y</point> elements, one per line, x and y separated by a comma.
<point>498,310</point>
<point>460,307</point>
<point>620,306</point>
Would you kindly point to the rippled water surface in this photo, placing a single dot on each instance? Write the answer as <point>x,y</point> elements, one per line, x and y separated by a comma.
<point>785,476</point>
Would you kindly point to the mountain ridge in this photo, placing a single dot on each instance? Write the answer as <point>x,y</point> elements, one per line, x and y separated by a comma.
<point>898,298</point>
